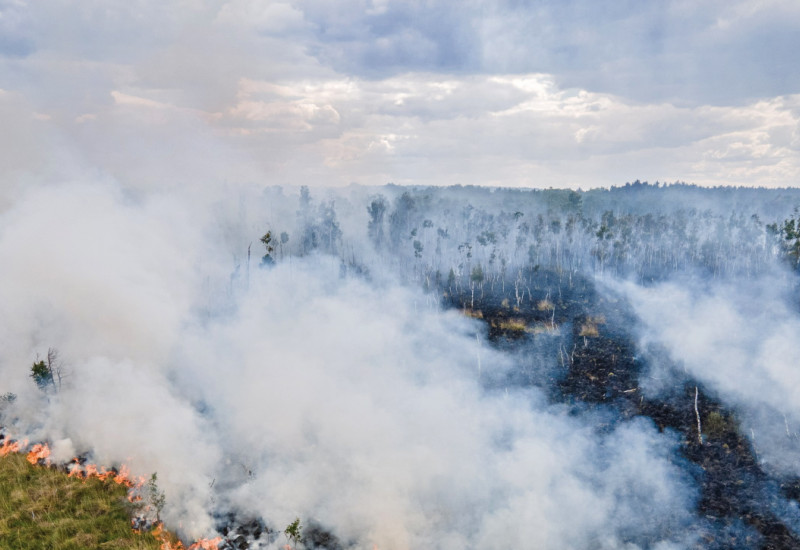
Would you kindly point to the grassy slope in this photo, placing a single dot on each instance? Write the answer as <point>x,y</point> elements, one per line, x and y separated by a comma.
<point>42,509</point>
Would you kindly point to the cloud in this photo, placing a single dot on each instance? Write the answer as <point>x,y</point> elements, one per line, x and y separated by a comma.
<point>508,93</point>
<point>273,18</point>
<point>671,51</point>
<point>15,39</point>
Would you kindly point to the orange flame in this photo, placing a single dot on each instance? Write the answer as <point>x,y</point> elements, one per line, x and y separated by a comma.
<point>121,477</point>
<point>10,446</point>
<point>158,532</point>
<point>201,544</point>
<point>166,544</point>
<point>40,451</point>
<point>206,544</point>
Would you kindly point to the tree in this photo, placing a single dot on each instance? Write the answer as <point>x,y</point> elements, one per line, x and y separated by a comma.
<point>308,231</point>
<point>48,373</point>
<point>267,242</point>
<point>293,531</point>
<point>155,496</point>
<point>400,218</point>
<point>284,241</point>
<point>41,375</point>
<point>451,280</point>
<point>329,230</point>
<point>476,277</point>
<point>417,249</point>
<point>376,211</point>
<point>788,237</point>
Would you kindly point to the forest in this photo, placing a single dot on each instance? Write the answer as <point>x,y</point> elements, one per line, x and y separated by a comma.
<point>460,237</point>
<point>452,367</point>
<point>537,267</point>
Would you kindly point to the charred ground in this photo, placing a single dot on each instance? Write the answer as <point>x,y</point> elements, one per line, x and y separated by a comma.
<point>599,366</point>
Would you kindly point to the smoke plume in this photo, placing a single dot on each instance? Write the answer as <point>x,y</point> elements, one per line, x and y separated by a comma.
<point>354,403</point>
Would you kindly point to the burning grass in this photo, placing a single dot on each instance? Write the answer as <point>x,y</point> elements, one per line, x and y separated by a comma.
<point>78,505</point>
<point>44,508</point>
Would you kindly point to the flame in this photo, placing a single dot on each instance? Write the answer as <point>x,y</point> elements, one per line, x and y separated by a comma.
<point>163,537</point>
<point>40,451</point>
<point>10,446</point>
<point>202,544</point>
<point>123,475</point>
<point>206,544</point>
<point>120,477</point>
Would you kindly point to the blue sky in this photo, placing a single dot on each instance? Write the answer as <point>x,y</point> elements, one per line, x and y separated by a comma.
<point>513,93</point>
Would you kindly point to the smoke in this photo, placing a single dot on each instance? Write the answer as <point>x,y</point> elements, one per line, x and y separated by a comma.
<point>366,412</point>
<point>737,336</point>
<point>107,282</point>
<point>296,391</point>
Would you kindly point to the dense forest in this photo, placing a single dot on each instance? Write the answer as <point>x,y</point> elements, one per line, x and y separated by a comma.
<point>462,237</point>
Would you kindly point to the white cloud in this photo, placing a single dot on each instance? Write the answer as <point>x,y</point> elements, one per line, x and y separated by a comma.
<point>251,79</point>
<point>265,16</point>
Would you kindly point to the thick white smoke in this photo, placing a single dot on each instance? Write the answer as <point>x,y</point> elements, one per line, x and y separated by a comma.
<point>294,392</point>
<point>739,338</point>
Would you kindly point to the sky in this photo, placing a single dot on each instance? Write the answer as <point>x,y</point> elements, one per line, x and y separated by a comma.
<point>567,93</point>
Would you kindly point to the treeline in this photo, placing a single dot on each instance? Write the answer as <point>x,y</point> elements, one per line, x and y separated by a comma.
<point>458,238</point>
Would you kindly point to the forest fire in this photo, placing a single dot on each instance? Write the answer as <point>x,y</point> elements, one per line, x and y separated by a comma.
<point>577,341</point>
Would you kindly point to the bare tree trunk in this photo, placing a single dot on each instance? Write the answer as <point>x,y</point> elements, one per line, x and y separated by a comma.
<point>248,266</point>
<point>697,414</point>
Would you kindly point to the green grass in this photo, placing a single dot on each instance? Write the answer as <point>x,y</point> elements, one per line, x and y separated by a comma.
<point>43,509</point>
